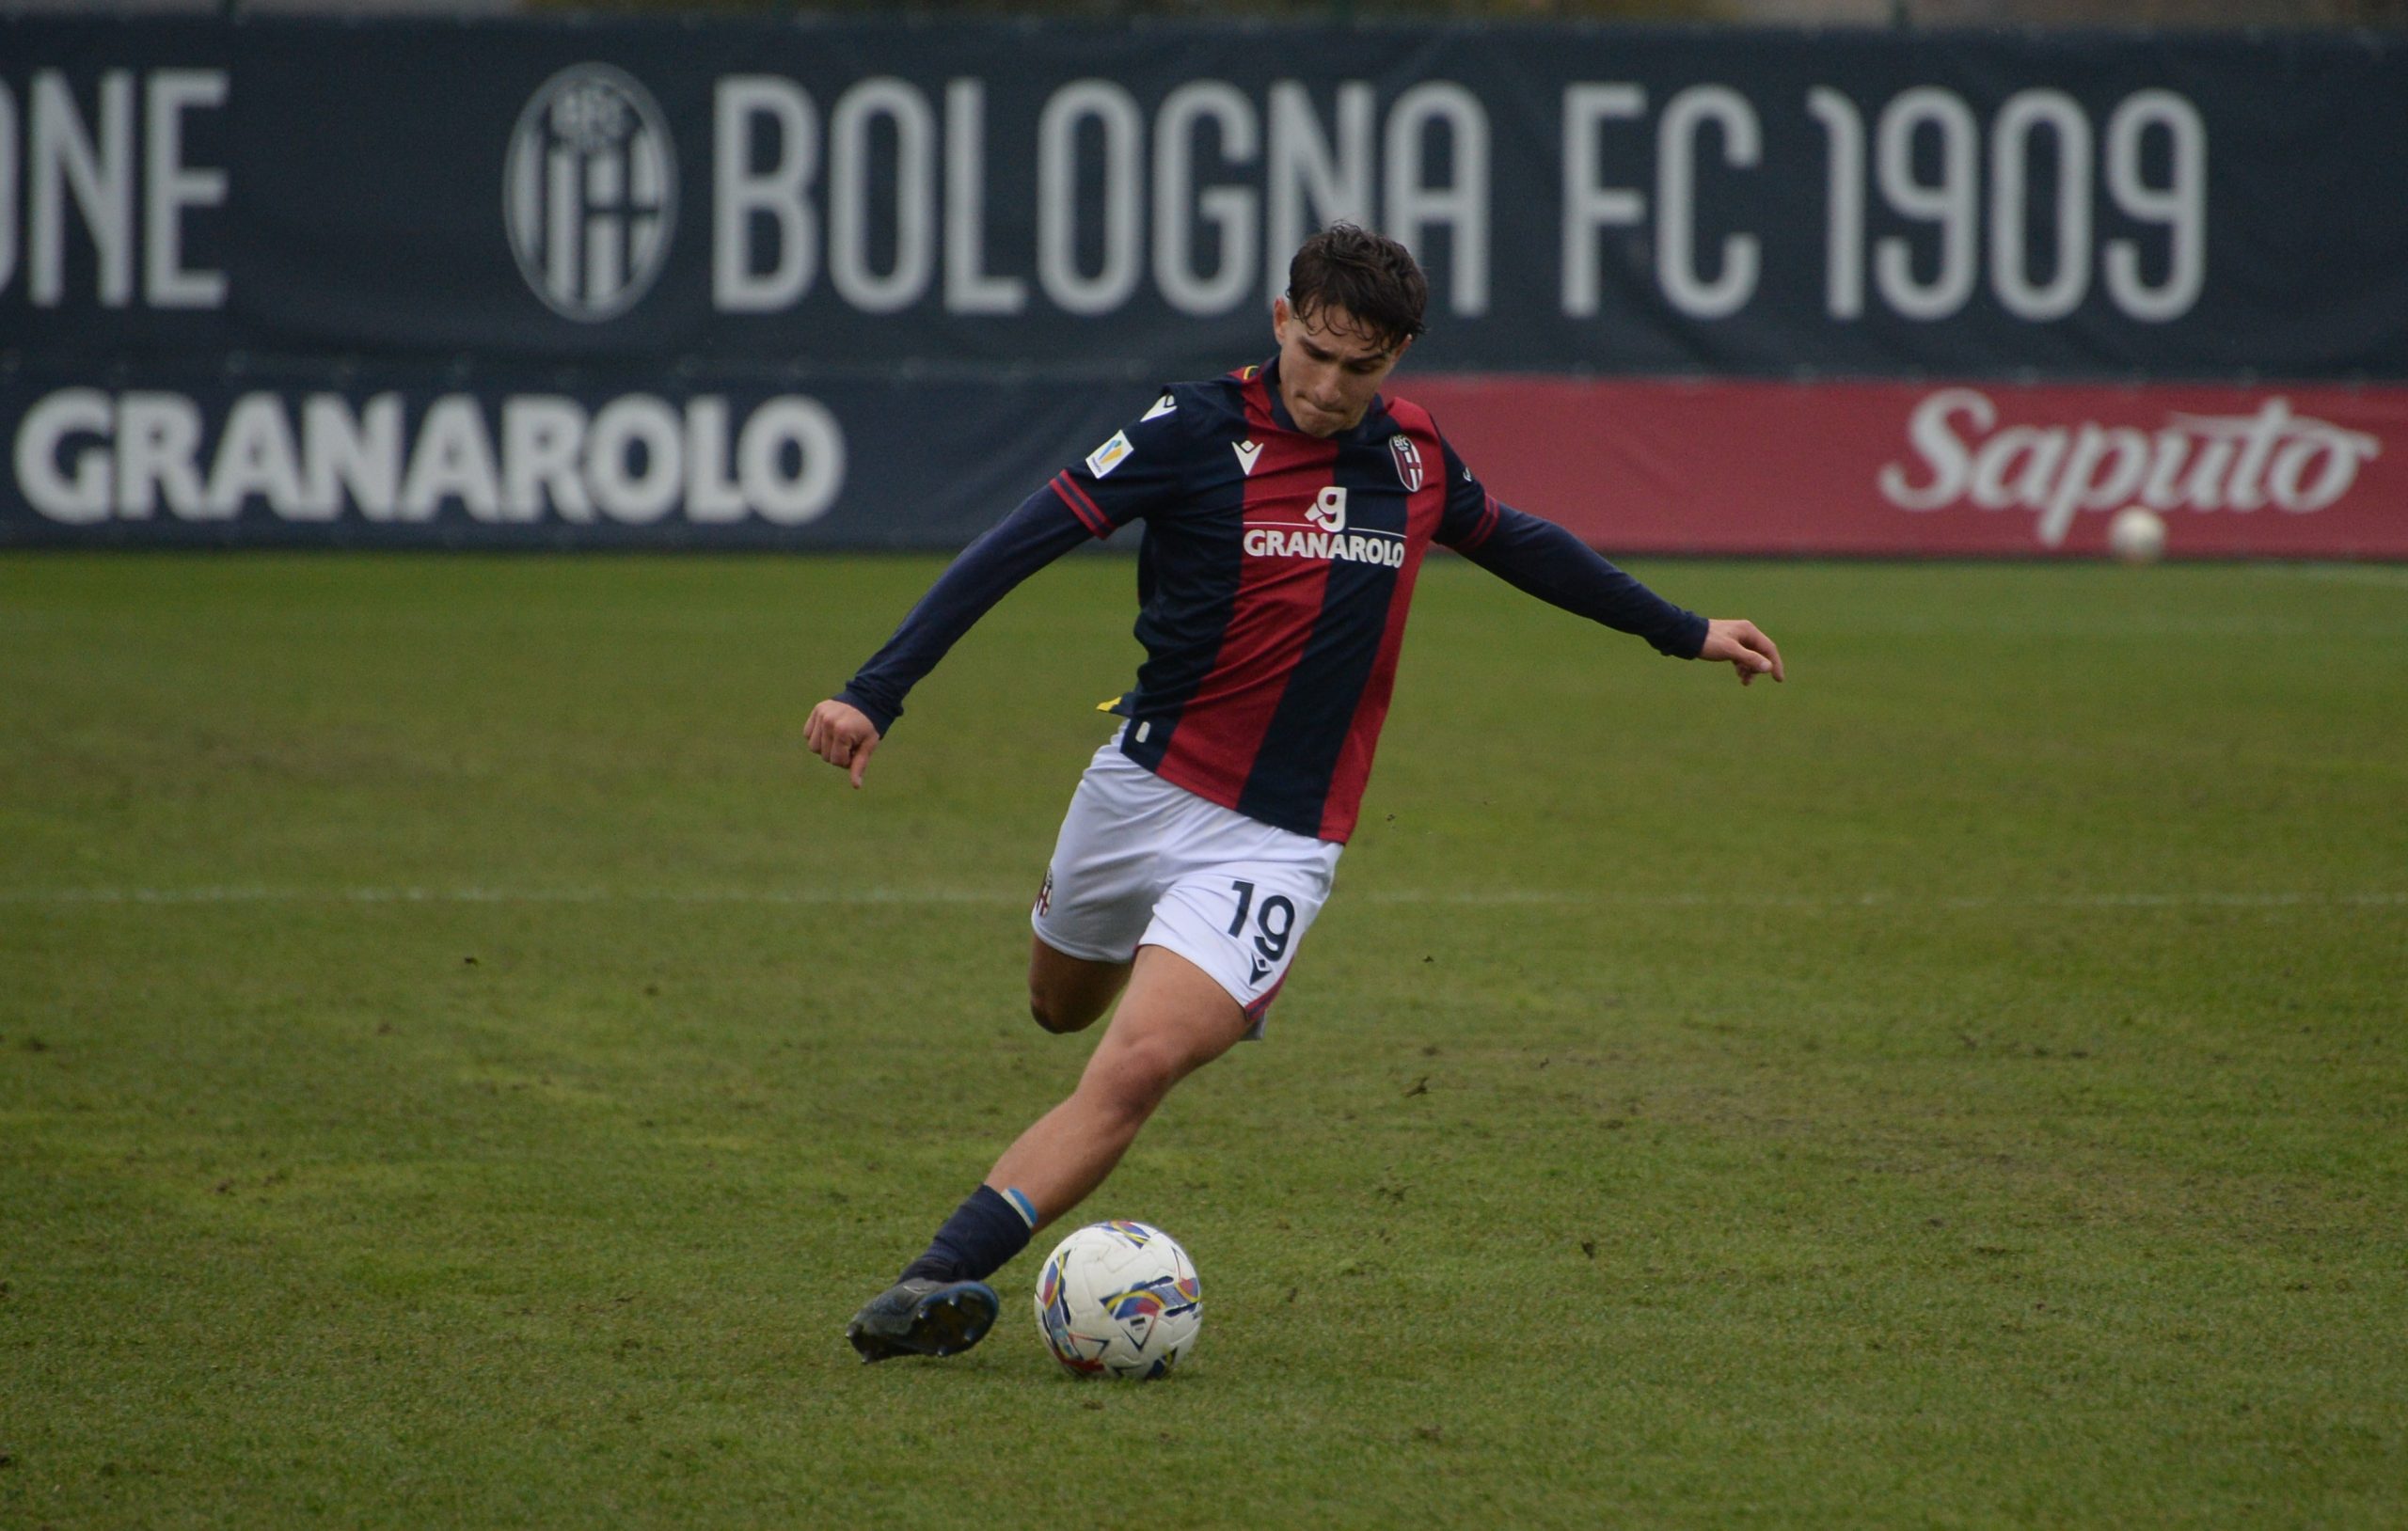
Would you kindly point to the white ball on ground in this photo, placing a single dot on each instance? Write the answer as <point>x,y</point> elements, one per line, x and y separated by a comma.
<point>1118,1299</point>
<point>2136,534</point>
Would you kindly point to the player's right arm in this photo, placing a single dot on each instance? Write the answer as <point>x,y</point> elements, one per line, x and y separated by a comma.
<point>1134,472</point>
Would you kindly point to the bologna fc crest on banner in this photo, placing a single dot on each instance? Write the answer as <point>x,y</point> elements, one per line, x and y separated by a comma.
<point>591,193</point>
<point>1408,461</point>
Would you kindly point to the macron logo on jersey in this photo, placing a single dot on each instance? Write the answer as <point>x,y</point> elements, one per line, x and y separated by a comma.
<point>1163,405</point>
<point>1248,452</point>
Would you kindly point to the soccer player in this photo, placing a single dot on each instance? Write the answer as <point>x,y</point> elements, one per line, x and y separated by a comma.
<point>1286,508</point>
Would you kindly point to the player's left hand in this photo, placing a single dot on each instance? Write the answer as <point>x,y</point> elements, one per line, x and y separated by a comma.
<point>1745,645</point>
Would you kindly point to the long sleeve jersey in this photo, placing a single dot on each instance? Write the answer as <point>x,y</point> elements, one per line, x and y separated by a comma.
<point>1273,583</point>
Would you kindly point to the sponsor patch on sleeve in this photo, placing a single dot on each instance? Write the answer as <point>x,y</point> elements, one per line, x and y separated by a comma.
<point>1101,460</point>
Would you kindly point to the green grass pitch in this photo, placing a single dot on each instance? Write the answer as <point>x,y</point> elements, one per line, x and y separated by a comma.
<point>461,1061</point>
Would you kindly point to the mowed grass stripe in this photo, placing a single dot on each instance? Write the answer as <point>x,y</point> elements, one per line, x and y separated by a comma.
<point>1473,897</point>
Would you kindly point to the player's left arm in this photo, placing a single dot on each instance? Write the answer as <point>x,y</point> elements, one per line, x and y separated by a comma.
<point>1541,559</point>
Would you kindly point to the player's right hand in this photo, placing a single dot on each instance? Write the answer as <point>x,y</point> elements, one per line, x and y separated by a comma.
<point>843,736</point>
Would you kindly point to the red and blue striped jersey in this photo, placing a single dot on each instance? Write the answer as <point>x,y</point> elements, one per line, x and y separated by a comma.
<point>1274,579</point>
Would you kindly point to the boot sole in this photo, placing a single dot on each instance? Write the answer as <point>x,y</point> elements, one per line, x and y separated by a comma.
<point>944,1322</point>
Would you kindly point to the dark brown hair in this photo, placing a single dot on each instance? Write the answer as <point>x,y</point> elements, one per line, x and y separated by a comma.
<point>1369,276</point>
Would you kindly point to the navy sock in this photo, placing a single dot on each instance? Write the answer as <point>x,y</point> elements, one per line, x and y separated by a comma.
<point>986,1230</point>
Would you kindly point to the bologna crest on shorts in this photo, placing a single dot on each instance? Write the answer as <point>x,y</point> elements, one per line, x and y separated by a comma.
<point>1408,461</point>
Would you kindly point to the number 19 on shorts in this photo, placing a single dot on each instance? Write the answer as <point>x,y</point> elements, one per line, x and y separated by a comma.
<point>1275,922</point>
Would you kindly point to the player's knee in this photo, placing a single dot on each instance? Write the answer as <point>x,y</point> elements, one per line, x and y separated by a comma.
<point>1057,1015</point>
<point>1133,1079</point>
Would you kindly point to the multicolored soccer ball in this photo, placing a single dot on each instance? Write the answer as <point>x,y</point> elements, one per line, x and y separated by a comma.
<point>1119,1300</point>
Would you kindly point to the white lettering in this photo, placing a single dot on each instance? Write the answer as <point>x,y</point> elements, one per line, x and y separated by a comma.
<point>711,497</point>
<point>452,460</point>
<point>1310,181</point>
<point>2180,206</point>
<point>1676,138</point>
<point>256,455</point>
<point>2257,435</point>
<point>774,192</point>
<point>342,454</point>
<point>66,159</point>
<point>849,189</point>
<point>635,425</point>
<point>1947,203</point>
<point>2340,452</point>
<point>1995,466</point>
<point>1588,204</point>
<point>1379,547</point>
<point>7,186</point>
<point>805,427</point>
<point>1113,111</point>
<point>82,455</point>
<point>1412,205</point>
<point>1950,462</point>
<point>543,441</point>
<point>158,435</point>
<point>80,497</point>
<point>2125,452</point>
<point>2062,118</point>
<point>2194,462</point>
<point>171,186</point>
<point>1229,210</point>
<point>968,288</point>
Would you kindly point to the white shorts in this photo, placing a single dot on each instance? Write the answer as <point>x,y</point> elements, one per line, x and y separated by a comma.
<point>1141,862</point>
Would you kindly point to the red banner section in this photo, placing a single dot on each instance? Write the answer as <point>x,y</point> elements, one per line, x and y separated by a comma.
<point>1652,466</point>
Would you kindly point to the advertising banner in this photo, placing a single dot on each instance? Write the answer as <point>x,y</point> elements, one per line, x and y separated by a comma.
<point>392,458</point>
<point>821,283</point>
<point>1899,469</point>
<point>1070,200</point>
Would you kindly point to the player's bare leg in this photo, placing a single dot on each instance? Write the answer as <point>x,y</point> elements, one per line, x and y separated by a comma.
<point>1067,993</point>
<point>1174,1019</point>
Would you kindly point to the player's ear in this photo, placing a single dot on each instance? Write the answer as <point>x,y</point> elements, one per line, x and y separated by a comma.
<point>1281,316</point>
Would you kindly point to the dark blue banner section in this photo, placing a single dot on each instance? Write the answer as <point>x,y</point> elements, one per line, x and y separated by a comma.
<point>975,200</point>
<point>401,457</point>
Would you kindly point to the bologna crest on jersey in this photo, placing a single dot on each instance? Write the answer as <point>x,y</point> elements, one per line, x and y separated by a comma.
<point>1408,461</point>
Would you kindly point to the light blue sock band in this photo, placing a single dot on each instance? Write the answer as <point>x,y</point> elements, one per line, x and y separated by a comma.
<point>1020,1203</point>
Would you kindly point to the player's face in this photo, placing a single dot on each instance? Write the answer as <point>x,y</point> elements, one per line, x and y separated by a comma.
<point>1330,367</point>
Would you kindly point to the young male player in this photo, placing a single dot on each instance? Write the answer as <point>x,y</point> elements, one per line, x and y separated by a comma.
<point>1288,508</point>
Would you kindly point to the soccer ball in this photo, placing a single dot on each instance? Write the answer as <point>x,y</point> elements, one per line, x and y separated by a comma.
<point>1119,1300</point>
<point>2136,535</point>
